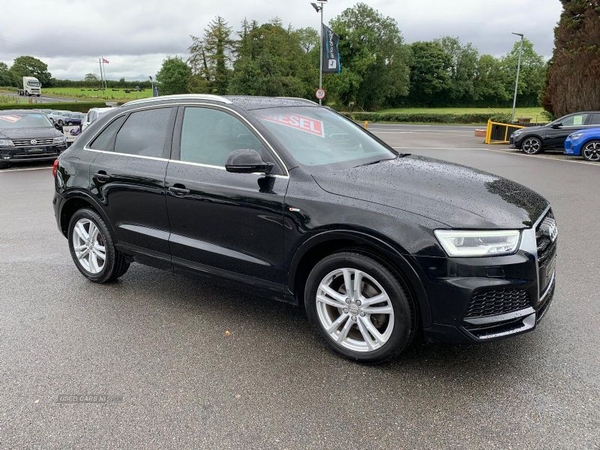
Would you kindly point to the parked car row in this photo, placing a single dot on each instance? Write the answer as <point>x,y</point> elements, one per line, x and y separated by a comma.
<point>578,134</point>
<point>62,118</point>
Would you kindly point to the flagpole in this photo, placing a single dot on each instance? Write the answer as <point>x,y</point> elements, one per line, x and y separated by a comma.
<point>101,76</point>
<point>321,58</point>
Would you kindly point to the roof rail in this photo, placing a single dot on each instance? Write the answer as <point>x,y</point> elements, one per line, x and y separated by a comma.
<point>215,98</point>
<point>305,100</point>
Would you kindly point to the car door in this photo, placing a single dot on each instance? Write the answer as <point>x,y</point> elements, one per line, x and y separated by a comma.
<point>556,136</point>
<point>128,180</point>
<point>228,224</point>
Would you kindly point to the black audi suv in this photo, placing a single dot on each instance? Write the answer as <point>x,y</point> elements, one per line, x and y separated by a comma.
<point>290,200</point>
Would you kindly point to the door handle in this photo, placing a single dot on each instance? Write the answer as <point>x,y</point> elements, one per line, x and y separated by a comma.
<point>102,176</point>
<point>179,190</point>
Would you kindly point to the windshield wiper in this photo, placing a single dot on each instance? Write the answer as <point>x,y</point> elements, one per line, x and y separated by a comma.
<point>377,162</point>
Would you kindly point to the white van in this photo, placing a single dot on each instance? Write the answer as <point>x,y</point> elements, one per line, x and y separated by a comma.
<point>93,115</point>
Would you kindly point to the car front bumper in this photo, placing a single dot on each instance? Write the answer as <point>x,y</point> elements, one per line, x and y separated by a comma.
<point>20,154</point>
<point>485,299</point>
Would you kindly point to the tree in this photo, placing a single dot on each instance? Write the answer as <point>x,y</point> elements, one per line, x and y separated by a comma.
<point>210,57</point>
<point>271,61</point>
<point>374,59</point>
<point>173,76</point>
<point>90,77</point>
<point>463,65</point>
<point>6,77</point>
<point>430,74</point>
<point>531,77</point>
<point>573,82</point>
<point>28,66</point>
<point>489,83</point>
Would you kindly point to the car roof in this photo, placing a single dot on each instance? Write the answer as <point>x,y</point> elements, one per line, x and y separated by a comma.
<point>246,102</point>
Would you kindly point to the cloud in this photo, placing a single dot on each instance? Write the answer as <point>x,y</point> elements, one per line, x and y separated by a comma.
<point>135,36</point>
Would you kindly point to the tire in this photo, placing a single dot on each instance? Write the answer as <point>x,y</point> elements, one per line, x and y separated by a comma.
<point>532,146</point>
<point>98,266</point>
<point>591,151</point>
<point>60,123</point>
<point>351,320</point>
<point>4,165</point>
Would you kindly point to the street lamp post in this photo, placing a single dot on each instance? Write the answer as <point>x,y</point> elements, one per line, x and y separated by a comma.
<point>319,8</point>
<point>518,71</point>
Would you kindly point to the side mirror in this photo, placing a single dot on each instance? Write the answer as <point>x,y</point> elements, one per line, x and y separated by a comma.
<point>557,125</point>
<point>247,161</point>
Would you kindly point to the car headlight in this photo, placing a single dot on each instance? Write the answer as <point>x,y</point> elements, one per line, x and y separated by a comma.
<point>576,136</point>
<point>517,132</point>
<point>6,143</point>
<point>59,140</point>
<point>478,243</point>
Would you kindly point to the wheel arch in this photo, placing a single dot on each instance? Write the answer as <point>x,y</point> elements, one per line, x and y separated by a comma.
<point>328,242</point>
<point>74,203</point>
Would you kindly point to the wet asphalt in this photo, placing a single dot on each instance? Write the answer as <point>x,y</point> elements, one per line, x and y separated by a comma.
<point>158,360</point>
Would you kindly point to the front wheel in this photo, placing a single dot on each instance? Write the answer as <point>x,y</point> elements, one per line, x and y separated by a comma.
<point>532,146</point>
<point>359,308</point>
<point>92,248</point>
<point>591,151</point>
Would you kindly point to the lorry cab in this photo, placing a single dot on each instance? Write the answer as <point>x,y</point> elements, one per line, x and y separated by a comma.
<point>31,86</point>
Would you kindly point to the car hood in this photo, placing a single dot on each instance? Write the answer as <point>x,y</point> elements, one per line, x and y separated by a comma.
<point>25,133</point>
<point>451,194</point>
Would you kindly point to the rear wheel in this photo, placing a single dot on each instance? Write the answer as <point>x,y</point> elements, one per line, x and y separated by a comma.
<point>591,151</point>
<point>359,308</point>
<point>532,146</point>
<point>92,248</point>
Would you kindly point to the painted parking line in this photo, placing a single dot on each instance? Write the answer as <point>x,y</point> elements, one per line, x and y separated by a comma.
<point>26,169</point>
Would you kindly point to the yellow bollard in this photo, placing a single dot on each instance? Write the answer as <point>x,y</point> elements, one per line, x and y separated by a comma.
<point>366,124</point>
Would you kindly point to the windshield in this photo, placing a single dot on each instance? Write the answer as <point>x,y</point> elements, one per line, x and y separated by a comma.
<point>318,137</point>
<point>24,121</point>
<point>33,83</point>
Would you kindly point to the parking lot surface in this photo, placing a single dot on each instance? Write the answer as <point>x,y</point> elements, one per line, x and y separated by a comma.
<point>158,360</point>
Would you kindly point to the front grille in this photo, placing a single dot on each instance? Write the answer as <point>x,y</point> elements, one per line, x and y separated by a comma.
<point>498,301</point>
<point>41,142</point>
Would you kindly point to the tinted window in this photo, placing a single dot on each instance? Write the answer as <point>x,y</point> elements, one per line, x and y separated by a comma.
<point>208,137</point>
<point>318,137</point>
<point>144,133</point>
<point>574,120</point>
<point>595,119</point>
<point>104,139</point>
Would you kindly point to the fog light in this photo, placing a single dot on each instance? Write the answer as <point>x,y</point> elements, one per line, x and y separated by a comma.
<point>6,157</point>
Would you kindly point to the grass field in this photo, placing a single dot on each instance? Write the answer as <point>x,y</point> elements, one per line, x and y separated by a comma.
<point>535,114</point>
<point>93,94</point>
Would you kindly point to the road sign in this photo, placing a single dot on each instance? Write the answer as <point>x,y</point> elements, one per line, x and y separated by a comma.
<point>320,94</point>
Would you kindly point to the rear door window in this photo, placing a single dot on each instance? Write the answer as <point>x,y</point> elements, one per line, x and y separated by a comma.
<point>105,139</point>
<point>145,133</point>
<point>595,119</point>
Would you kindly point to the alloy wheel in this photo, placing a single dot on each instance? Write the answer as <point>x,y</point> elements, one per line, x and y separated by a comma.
<point>591,151</point>
<point>531,146</point>
<point>89,246</point>
<point>355,310</point>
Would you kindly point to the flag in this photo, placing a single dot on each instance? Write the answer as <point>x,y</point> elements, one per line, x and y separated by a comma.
<point>104,61</point>
<point>331,54</point>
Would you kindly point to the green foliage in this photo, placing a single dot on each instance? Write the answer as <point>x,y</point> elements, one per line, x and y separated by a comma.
<point>28,66</point>
<point>479,118</point>
<point>174,76</point>
<point>272,61</point>
<point>573,82</point>
<point>374,60</point>
<point>532,75</point>
<point>430,74</point>
<point>6,77</point>
<point>210,58</point>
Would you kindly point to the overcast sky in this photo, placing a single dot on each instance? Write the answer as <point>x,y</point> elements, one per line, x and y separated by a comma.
<point>135,36</point>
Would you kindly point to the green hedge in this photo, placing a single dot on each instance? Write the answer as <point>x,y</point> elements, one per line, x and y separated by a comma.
<point>427,118</point>
<point>66,106</point>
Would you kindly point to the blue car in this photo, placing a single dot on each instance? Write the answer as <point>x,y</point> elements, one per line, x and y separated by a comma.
<point>584,143</point>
